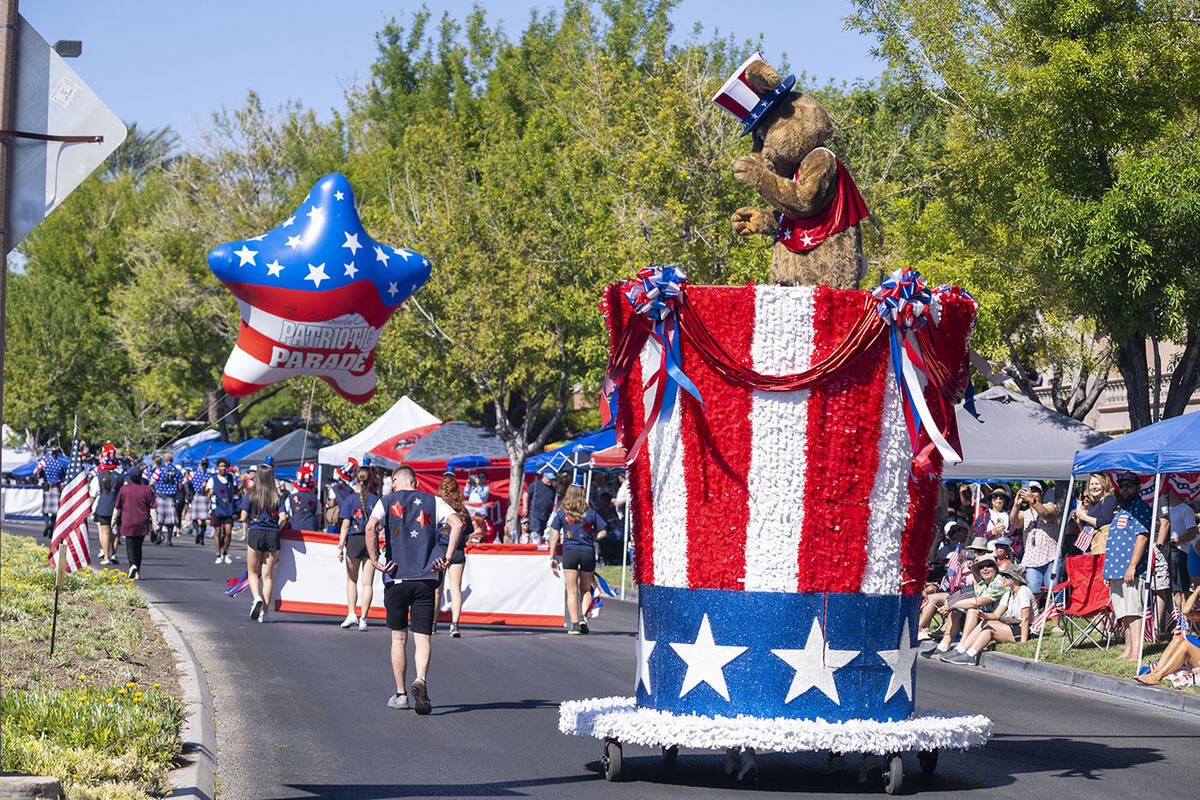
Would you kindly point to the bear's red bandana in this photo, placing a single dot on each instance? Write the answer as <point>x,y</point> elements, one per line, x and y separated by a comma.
<point>846,209</point>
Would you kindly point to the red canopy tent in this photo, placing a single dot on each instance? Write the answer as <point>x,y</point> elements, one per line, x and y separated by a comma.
<point>429,449</point>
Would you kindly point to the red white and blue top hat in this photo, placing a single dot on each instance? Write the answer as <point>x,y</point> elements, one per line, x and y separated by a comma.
<point>742,100</point>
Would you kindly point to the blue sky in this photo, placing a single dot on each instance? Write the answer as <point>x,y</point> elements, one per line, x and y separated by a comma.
<point>172,63</point>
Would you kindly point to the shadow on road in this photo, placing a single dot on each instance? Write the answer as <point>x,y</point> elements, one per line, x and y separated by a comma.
<point>508,705</point>
<point>361,791</point>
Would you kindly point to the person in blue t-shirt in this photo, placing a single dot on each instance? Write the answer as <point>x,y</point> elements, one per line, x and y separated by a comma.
<point>260,511</point>
<point>1125,560</point>
<point>222,491</point>
<point>577,527</point>
<point>352,549</point>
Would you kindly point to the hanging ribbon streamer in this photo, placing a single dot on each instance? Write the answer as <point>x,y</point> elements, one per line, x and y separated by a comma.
<point>655,295</point>
<point>905,304</point>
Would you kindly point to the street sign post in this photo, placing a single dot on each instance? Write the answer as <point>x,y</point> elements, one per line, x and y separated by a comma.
<point>52,100</point>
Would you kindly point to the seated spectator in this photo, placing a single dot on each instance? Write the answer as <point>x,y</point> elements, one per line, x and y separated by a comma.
<point>1008,623</point>
<point>964,612</point>
<point>1183,652</point>
<point>948,574</point>
<point>954,536</point>
<point>1003,551</point>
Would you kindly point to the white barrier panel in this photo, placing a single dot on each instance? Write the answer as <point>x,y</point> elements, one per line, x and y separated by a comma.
<point>22,502</point>
<point>502,584</point>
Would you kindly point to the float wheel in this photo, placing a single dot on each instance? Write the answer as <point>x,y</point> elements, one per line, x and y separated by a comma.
<point>612,760</point>
<point>893,776</point>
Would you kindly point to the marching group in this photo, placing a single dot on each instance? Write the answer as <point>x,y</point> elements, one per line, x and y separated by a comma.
<point>997,572</point>
<point>153,498</point>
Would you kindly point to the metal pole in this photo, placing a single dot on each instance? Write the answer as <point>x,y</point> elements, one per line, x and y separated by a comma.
<point>1149,570</point>
<point>58,579</point>
<point>625,547</point>
<point>1062,534</point>
<point>8,83</point>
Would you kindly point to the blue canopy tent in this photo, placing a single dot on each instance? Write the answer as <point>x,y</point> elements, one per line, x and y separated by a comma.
<point>190,456</point>
<point>233,452</point>
<point>560,457</point>
<point>26,469</point>
<point>1168,446</point>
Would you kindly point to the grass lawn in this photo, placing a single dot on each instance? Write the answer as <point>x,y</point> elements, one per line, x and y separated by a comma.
<point>1089,657</point>
<point>103,713</point>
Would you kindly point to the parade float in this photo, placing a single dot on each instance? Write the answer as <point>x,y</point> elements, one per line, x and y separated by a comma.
<point>785,443</point>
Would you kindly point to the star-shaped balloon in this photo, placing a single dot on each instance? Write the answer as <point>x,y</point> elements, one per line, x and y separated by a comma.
<point>314,293</point>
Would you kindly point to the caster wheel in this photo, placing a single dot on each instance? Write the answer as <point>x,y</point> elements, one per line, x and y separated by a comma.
<point>893,776</point>
<point>928,759</point>
<point>612,760</point>
<point>669,754</point>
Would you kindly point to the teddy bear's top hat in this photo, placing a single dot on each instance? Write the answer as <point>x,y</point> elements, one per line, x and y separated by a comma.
<point>742,100</point>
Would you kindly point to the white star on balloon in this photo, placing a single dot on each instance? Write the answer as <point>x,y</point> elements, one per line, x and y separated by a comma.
<point>352,243</point>
<point>901,661</point>
<point>815,665</point>
<point>288,222</point>
<point>274,268</point>
<point>706,661</point>
<point>294,242</point>
<point>314,213</point>
<point>338,195</point>
<point>644,648</point>
<point>393,289</point>
<point>316,275</point>
<point>380,255</point>
<point>351,270</point>
<point>405,254</point>
<point>246,255</point>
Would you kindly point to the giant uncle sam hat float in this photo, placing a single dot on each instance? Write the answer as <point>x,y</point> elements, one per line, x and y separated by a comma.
<point>314,293</point>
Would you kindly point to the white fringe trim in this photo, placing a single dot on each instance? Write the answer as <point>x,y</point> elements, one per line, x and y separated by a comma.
<point>619,718</point>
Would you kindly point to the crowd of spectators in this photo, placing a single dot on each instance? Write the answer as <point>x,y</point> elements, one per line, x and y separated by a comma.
<point>996,563</point>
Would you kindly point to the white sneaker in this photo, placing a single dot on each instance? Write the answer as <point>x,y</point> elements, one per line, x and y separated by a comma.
<point>350,619</point>
<point>398,701</point>
<point>218,560</point>
<point>362,623</point>
<point>263,616</point>
<point>923,636</point>
<point>228,560</point>
<point>105,562</point>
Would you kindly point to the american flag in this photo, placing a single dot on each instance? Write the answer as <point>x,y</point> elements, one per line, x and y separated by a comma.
<point>70,528</point>
<point>1084,540</point>
<point>1052,609</point>
<point>956,569</point>
<point>1150,623</point>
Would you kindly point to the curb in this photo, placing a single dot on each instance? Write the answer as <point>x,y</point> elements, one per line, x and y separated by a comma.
<point>1171,699</point>
<point>197,776</point>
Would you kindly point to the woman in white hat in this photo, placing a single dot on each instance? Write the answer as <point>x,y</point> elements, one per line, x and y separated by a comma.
<point>1008,623</point>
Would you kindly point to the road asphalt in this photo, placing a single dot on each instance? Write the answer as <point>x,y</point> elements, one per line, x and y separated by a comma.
<point>300,713</point>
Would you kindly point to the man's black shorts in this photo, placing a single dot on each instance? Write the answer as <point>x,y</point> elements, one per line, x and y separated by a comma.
<point>404,596</point>
<point>263,540</point>
<point>582,560</point>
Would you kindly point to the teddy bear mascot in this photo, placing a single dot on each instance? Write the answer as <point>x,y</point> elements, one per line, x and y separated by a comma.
<point>784,443</point>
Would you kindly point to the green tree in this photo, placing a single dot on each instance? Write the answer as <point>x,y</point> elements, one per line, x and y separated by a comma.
<point>1068,182</point>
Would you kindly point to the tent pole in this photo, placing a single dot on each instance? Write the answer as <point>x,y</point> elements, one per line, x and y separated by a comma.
<point>1151,545</point>
<point>625,547</point>
<point>1062,534</point>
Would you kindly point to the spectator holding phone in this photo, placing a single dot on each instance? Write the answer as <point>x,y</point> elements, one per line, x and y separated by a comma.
<point>1037,521</point>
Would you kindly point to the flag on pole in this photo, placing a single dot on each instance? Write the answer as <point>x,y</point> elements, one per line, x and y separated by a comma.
<point>234,586</point>
<point>70,528</point>
<point>1178,622</point>
<point>956,569</point>
<point>1150,623</point>
<point>1052,609</point>
<point>1084,540</point>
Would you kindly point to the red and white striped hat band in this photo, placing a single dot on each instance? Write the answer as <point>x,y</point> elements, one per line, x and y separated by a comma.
<point>742,100</point>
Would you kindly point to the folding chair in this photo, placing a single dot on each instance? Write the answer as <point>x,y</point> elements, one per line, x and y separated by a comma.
<point>1087,610</point>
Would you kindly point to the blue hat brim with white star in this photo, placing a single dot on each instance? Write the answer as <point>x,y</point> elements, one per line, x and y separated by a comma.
<point>767,103</point>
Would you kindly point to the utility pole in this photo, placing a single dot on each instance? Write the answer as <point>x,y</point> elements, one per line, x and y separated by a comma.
<point>8,90</point>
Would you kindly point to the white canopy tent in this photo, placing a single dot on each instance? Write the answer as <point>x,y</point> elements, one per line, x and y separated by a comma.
<point>403,416</point>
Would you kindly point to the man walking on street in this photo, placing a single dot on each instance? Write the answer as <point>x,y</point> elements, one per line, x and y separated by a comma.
<point>165,481</point>
<point>53,469</point>
<point>410,562</point>
<point>536,503</point>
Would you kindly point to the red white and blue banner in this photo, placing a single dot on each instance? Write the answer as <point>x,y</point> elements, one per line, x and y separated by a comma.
<point>502,584</point>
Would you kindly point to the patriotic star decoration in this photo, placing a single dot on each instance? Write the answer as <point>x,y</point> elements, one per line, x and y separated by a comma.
<point>423,518</point>
<point>901,661</point>
<point>815,665</point>
<point>644,648</point>
<point>396,509</point>
<point>706,661</point>
<point>303,285</point>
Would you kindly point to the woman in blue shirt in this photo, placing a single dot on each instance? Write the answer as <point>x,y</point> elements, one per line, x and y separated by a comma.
<point>577,527</point>
<point>352,549</point>
<point>260,512</point>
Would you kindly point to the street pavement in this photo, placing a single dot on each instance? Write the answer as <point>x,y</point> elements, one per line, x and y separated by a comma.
<point>300,713</point>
